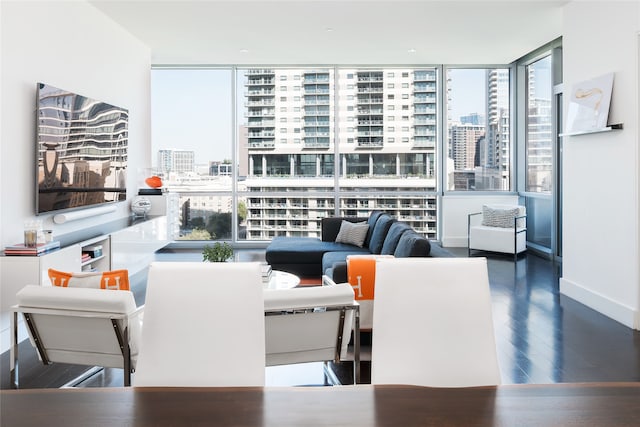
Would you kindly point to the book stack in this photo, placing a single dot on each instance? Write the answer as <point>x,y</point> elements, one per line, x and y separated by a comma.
<point>85,257</point>
<point>266,273</point>
<point>39,249</point>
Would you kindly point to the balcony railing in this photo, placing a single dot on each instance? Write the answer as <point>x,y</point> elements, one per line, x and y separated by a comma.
<point>261,144</point>
<point>260,82</point>
<point>259,102</point>
<point>260,71</point>
<point>316,143</point>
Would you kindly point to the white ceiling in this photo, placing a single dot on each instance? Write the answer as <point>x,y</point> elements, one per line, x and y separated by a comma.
<point>358,32</point>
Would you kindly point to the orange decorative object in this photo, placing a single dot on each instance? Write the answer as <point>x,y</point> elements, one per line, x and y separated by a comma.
<point>154,181</point>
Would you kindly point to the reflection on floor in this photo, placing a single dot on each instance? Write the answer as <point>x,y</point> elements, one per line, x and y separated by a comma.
<point>542,336</point>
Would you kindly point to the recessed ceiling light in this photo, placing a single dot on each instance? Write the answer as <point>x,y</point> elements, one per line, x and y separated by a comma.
<point>328,29</point>
<point>411,51</point>
<point>244,50</point>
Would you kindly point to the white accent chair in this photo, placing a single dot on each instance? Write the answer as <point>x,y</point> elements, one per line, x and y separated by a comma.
<point>432,323</point>
<point>311,324</point>
<point>203,326</point>
<point>498,228</point>
<point>78,326</point>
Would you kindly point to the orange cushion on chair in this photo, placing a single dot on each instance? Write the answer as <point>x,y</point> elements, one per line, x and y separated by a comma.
<point>115,279</point>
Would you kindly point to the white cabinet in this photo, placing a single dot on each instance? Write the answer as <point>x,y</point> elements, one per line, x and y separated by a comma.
<point>96,254</point>
<point>167,204</point>
<point>133,248</point>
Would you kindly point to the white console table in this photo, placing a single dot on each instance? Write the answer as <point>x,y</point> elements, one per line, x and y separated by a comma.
<point>130,245</point>
<point>133,247</point>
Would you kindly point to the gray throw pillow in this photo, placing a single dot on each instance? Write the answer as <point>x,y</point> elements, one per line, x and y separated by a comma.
<point>352,233</point>
<point>501,216</point>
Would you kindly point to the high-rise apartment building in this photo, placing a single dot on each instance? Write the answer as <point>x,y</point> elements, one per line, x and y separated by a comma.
<point>374,130</point>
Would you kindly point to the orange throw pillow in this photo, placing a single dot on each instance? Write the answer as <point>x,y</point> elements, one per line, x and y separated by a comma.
<point>114,280</point>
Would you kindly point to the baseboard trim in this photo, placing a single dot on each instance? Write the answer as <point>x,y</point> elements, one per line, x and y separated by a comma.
<point>610,308</point>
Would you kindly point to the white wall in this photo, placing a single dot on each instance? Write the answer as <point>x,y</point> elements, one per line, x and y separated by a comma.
<point>600,175</point>
<point>70,45</point>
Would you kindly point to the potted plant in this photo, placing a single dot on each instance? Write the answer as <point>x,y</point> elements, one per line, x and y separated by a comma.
<point>219,252</point>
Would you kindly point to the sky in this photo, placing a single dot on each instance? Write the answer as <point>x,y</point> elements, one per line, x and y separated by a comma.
<point>190,110</point>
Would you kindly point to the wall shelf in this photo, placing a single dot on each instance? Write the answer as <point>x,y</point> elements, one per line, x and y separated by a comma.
<point>609,128</point>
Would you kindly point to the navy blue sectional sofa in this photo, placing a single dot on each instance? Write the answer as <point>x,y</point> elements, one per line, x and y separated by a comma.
<point>313,257</point>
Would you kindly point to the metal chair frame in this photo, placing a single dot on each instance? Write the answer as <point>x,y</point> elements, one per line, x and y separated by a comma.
<point>338,347</point>
<point>122,335</point>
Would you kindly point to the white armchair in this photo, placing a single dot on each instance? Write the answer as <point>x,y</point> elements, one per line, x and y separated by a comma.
<point>311,324</point>
<point>498,228</point>
<point>78,326</point>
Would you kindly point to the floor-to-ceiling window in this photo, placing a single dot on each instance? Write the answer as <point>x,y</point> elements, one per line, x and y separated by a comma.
<point>540,76</point>
<point>192,134</point>
<point>256,153</point>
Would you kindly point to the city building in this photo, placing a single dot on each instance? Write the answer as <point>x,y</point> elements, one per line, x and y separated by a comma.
<point>387,132</point>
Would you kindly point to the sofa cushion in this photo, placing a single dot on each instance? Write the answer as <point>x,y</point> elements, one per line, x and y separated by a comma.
<point>373,218</point>
<point>412,244</point>
<point>304,250</point>
<point>437,251</point>
<point>380,233</point>
<point>396,231</point>
<point>352,233</point>
<point>330,226</point>
<point>331,258</point>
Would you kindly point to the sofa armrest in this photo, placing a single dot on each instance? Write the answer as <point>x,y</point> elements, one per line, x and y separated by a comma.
<point>339,272</point>
<point>331,226</point>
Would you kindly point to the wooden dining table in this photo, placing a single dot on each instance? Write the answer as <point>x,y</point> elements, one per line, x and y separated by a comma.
<point>588,404</point>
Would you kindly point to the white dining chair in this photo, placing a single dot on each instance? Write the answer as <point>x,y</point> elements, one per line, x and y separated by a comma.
<point>432,323</point>
<point>203,326</point>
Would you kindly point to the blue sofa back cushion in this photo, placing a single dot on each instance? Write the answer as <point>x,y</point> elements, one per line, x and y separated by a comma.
<point>380,233</point>
<point>396,231</point>
<point>412,244</point>
<point>373,218</point>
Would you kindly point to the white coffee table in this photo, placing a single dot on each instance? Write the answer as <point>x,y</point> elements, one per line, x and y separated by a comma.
<point>282,280</point>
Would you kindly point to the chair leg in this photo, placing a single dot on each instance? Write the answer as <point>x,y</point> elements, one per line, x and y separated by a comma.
<point>14,351</point>
<point>356,348</point>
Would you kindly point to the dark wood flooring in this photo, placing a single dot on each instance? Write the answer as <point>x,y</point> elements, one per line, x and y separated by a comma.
<point>542,336</point>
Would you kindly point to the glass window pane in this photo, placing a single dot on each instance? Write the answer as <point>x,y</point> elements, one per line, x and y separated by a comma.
<point>539,139</point>
<point>284,182</point>
<point>478,131</point>
<point>192,146</point>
